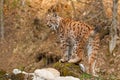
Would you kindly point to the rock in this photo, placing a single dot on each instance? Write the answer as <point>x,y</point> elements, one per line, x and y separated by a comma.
<point>16,71</point>
<point>53,71</point>
<point>50,74</point>
<point>68,69</point>
<point>73,70</point>
<point>46,74</point>
<point>68,72</point>
<point>66,78</point>
<point>39,74</point>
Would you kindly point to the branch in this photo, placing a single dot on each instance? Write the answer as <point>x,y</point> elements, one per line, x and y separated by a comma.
<point>113,28</point>
<point>94,4</point>
<point>1,20</point>
<point>93,17</point>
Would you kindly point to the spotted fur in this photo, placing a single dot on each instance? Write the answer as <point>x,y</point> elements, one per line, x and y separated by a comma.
<point>78,40</point>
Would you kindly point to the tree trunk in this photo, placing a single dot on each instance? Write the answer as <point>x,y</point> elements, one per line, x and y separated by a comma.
<point>74,15</point>
<point>113,28</point>
<point>1,19</point>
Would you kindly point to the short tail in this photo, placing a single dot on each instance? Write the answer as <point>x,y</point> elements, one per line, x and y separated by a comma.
<point>95,31</point>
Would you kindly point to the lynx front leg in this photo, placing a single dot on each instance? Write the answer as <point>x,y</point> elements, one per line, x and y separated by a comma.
<point>65,51</point>
<point>77,53</point>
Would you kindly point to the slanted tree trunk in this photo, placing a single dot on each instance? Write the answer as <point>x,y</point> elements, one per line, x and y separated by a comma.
<point>1,19</point>
<point>74,15</point>
<point>113,28</point>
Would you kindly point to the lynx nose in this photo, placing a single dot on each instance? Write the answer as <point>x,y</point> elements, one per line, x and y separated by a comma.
<point>48,25</point>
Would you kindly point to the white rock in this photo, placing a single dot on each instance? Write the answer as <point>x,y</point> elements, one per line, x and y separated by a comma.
<point>66,78</point>
<point>16,71</point>
<point>37,78</point>
<point>55,72</point>
<point>43,74</point>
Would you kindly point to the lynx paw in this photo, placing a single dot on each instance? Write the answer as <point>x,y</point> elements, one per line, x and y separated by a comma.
<point>63,60</point>
<point>75,60</point>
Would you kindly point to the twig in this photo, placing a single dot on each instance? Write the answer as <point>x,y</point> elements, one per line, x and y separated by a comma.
<point>93,17</point>
<point>95,5</point>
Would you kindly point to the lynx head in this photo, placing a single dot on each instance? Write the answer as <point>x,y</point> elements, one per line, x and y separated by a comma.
<point>53,21</point>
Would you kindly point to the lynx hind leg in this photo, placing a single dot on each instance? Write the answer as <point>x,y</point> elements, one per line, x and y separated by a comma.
<point>92,63</point>
<point>92,48</point>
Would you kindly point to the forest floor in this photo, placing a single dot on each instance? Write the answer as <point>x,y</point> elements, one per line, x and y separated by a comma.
<point>27,42</point>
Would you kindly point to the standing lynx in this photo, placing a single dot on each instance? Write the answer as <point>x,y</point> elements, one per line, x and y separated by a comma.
<point>77,40</point>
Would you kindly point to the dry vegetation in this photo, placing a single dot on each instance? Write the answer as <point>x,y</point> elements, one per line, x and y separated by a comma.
<point>29,44</point>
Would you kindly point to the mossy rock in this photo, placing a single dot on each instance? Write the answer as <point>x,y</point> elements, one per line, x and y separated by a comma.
<point>69,69</point>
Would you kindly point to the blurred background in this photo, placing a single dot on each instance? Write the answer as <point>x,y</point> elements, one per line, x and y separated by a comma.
<point>27,43</point>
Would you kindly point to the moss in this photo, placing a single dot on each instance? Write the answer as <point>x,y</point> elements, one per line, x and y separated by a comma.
<point>44,61</point>
<point>2,75</point>
<point>2,72</point>
<point>85,76</point>
<point>17,77</point>
<point>68,69</point>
